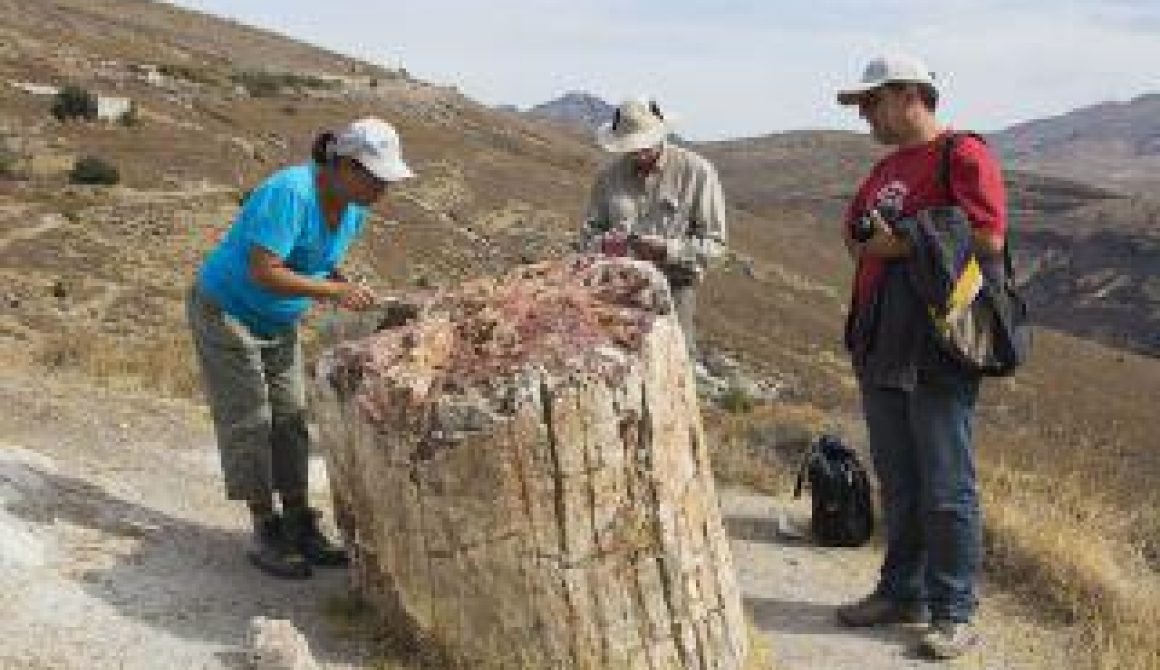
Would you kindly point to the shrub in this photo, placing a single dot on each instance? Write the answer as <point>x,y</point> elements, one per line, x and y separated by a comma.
<point>74,102</point>
<point>8,160</point>
<point>132,117</point>
<point>736,399</point>
<point>268,84</point>
<point>259,84</point>
<point>191,73</point>
<point>93,170</point>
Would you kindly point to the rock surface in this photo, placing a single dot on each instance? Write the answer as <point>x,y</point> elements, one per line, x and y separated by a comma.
<point>522,474</point>
<point>275,644</point>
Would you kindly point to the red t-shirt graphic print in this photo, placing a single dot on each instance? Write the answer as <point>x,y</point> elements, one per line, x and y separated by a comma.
<point>908,181</point>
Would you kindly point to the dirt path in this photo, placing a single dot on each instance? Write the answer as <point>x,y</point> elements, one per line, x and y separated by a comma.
<point>117,551</point>
<point>14,228</point>
<point>792,587</point>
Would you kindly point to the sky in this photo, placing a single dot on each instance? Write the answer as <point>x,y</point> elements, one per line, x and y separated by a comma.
<point>730,69</point>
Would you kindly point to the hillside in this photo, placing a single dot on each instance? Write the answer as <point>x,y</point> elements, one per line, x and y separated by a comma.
<point>94,277</point>
<point>1086,254</point>
<point>1116,144</point>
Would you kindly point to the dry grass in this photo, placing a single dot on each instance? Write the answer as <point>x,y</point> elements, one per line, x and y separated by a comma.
<point>1056,538</point>
<point>1060,549</point>
<point>163,364</point>
<point>760,448</point>
<point>760,653</point>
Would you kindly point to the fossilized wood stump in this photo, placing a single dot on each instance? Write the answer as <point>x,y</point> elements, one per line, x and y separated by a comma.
<point>521,473</point>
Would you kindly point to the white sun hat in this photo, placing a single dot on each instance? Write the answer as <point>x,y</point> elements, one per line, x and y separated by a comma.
<point>375,145</point>
<point>885,69</point>
<point>636,124</point>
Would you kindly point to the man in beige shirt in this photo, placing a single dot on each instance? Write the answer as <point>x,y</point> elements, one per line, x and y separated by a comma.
<point>656,202</point>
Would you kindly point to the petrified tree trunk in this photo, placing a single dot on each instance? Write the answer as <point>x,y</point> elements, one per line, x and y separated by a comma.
<point>522,475</point>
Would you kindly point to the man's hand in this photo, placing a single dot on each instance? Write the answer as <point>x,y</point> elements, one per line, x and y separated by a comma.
<point>614,243</point>
<point>356,297</point>
<point>649,248</point>
<point>884,243</point>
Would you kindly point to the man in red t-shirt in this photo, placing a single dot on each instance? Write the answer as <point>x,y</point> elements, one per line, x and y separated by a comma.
<point>918,405</point>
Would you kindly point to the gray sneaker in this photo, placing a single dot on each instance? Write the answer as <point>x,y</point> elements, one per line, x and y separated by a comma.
<point>878,610</point>
<point>948,639</point>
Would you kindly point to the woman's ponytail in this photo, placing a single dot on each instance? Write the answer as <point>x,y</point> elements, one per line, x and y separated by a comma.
<point>322,151</point>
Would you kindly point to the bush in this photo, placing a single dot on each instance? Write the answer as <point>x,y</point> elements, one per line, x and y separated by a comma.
<point>132,117</point>
<point>93,170</point>
<point>736,399</point>
<point>268,84</point>
<point>191,73</point>
<point>259,84</point>
<point>74,102</point>
<point>8,161</point>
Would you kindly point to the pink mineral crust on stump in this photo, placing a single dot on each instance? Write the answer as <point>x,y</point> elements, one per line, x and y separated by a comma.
<point>522,475</point>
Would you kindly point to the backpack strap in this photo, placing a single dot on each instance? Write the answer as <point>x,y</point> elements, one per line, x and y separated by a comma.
<point>803,468</point>
<point>797,488</point>
<point>944,179</point>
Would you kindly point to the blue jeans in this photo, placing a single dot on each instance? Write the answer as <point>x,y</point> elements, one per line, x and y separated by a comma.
<point>921,444</point>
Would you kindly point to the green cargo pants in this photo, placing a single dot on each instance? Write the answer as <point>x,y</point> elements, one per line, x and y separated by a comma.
<point>257,396</point>
<point>683,286</point>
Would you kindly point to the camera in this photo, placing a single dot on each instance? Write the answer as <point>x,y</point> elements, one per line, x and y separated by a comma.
<point>863,227</point>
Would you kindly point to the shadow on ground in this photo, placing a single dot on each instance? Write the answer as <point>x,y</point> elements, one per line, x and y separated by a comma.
<point>785,609</point>
<point>189,579</point>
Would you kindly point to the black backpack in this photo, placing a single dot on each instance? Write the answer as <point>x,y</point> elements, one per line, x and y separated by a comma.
<point>842,514</point>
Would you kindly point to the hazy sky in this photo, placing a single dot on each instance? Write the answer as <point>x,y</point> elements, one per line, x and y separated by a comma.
<point>732,69</point>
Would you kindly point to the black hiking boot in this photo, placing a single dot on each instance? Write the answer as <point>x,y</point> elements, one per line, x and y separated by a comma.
<point>302,526</point>
<point>274,553</point>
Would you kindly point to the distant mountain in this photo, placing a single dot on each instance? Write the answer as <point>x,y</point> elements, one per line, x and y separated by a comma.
<point>578,109</point>
<point>1087,254</point>
<point>1115,144</point>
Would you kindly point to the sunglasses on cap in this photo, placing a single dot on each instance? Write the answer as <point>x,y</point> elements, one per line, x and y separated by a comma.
<point>652,107</point>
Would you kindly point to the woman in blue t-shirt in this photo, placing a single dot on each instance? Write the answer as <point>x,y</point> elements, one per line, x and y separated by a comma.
<point>279,256</point>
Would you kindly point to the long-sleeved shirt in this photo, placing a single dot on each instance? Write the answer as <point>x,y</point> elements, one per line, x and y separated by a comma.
<point>679,200</point>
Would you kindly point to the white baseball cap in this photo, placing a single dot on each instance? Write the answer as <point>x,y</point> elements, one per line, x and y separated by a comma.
<point>375,145</point>
<point>885,69</point>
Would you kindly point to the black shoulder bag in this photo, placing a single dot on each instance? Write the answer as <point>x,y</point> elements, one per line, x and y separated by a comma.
<point>992,337</point>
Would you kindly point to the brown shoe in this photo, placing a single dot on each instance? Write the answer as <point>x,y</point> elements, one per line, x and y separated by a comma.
<point>947,640</point>
<point>878,610</point>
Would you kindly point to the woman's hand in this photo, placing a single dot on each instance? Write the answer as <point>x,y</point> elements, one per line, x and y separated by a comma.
<point>357,297</point>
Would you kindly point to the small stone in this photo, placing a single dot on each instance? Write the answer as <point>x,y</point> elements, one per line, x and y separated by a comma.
<point>275,644</point>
